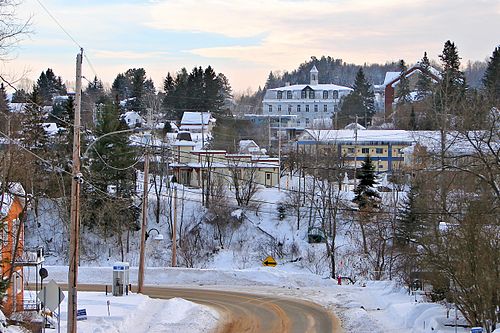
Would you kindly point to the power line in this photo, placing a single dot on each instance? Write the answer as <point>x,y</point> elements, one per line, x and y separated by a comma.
<point>59,24</point>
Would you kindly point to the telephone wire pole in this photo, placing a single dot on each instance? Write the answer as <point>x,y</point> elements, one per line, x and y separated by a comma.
<point>75,204</point>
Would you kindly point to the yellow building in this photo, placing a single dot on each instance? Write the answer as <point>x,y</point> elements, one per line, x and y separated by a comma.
<point>385,147</point>
<point>191,167</point>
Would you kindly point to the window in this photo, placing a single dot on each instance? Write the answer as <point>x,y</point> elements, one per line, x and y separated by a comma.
<point>314,77</point>
<point>289,94</point>
<point>311,94</point>
<point>270,108</point>
<point>279,108</point>
<point>280,94</point>
<point>325,108</point>
<point>315,108</point>
<point>325,94</point>
<point>289,109</point>
<point>365,150</point>
<point>307,121</point>
<point>335,94</point>
<point>379,150</point>
<point>350,150</point>
<point>303,94</point>
<point>298,108</point>
<point>380,166</point>
<point>307,108</point>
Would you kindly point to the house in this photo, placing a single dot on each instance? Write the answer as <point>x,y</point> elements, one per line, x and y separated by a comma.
<point>192,167</point>
<point>12,204</point>
<point>132,119</point>
<point>306,101</point>
<point>385,93</point>
<point>249,147</point>
<point>197,122</point>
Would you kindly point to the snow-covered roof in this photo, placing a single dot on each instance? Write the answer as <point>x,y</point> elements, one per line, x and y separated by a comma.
<point>17,107</point>
<point>195,118</point>
<point>390,76</point>
<point>184,143</point>
<point>352,126</point>
<point>6,199</point>
<point>314,69</point>
<point>321,86</point>
<point>50,128</point>
<point>340,136</point>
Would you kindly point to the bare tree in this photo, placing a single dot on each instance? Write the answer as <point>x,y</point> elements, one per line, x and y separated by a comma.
<point>243,176</point>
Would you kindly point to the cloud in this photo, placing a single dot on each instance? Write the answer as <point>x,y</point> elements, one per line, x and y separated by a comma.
<point>292,30</point>
<point>128,55</point>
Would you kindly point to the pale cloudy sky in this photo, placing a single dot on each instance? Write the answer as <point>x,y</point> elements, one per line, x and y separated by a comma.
<point>247,39</point>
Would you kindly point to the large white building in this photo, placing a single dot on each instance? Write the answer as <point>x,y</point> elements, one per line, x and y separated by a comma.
<point>307,101</point>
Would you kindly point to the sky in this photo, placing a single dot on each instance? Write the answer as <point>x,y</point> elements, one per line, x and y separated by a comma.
<point>244,39</point>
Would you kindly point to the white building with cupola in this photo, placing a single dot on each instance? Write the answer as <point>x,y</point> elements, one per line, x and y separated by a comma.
<point>306,101</point>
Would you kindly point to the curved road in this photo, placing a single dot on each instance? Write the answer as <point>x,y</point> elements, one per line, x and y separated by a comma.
<point>250,313</point>
<point>243,312</point>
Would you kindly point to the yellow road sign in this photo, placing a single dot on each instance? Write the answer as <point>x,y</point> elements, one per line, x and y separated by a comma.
<point>269,261</point>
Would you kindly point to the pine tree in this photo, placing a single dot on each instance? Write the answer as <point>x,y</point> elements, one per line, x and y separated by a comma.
<point>112,161</point>
<point>361,93</point>
<point>403,88</point>
<point>424,84</point>
<point>20,96</point>
<point>451,89</point>
<point>408,225</point>
<point>366,194</point>
<point>491,78</point>
<point>4,110</point>
<point>50,85</point>
<point>34,135</point>
<point>112,155</point>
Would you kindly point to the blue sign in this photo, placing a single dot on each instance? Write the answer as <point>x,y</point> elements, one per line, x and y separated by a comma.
<point>476,330</point>
<point>81,314</point>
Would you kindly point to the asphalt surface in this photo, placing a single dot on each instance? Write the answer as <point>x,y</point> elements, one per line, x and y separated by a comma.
<point>250,313</point>
<point>244,312</point>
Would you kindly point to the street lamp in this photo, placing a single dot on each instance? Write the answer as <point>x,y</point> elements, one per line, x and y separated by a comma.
<point>157,237</point>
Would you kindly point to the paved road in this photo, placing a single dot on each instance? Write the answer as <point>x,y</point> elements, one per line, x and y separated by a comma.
<point>250,313</point>
<point>243,312</point>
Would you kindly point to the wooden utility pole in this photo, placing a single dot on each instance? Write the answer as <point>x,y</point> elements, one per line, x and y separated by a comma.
<point>174,230</point>
<point>145,191</point>
<point>355,151</point>
<point>75,204</point>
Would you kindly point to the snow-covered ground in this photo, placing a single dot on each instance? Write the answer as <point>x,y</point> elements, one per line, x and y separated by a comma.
<point>301,272</point>
<point>376,307</point>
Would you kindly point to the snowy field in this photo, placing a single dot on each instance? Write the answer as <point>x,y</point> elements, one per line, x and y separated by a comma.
<point>377,307</point>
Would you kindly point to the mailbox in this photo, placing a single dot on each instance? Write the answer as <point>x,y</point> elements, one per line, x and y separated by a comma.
<point>120,278</point>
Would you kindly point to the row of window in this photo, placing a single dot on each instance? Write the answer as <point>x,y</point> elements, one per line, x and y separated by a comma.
<point>309,93</point>
<point>377,151</point>
<point>299,108</point>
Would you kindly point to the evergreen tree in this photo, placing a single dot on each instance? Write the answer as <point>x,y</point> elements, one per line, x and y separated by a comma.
<point>424,84</point>
<point>137,80</point>
<point>4,110</point>
<point>403,93</point>
<point>50,85</point>
<point>113,155</point>
<point>20,96</point>
<point>112,161</point>
<point>360,102</point>
<point>491,79</point>
<point>451,89</point>
<point>121,87</point>
<point>34,135</point>
<point>408,224</point>
<point>214,100</point>
<point>366,194</point>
